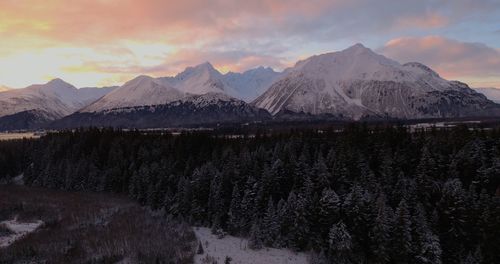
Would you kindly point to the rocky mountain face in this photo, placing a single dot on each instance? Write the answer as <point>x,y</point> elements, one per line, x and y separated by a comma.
<point>358,83</point>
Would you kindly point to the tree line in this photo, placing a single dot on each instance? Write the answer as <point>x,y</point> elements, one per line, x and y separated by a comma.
<point>355,196</point>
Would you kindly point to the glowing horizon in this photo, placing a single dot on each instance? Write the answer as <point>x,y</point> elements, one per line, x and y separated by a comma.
<point>107,42</point>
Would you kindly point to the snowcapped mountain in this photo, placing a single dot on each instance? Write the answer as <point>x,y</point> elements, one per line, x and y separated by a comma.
<point>141,91</point>
<point>37,104</point>
<point>198,95</point>
<point>201,79</point>
<point>57,98</point>
<point>204,78</point>
<point>357,82</point>
<point>491,93</point>
<point>193,110</point>
<point>252,83</point>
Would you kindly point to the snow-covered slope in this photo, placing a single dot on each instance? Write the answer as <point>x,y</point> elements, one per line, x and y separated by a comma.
<point>204,78</point>
<point>491,93</point>
<point>357,82</point>
<point>217,249</point>
<point>56,98</point>
<point>193,110</point>
<point>143,90</point>
<point>252,83</point>
<point>89,95</point>
<point>201,79</point>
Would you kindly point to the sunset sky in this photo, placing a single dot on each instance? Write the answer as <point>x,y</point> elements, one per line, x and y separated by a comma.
<point>106,42</point>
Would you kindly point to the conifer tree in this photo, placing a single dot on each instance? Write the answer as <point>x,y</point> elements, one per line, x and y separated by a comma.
<point>270,225</point>
<point>402,244</point>
<point>255,240</point>
<point>340,244</point>
<point>380,232</point>
<point>234,213</point>
<point>328,211</point>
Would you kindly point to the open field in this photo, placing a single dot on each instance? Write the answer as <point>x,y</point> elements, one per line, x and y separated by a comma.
<point>88,228</point>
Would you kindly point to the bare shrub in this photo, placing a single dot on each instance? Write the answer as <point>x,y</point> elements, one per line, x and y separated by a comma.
<point>92,228</point>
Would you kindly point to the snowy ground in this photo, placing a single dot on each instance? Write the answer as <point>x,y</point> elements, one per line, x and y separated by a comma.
<point>20,135</point>
<point>238,251</point>
<point>19,231</point>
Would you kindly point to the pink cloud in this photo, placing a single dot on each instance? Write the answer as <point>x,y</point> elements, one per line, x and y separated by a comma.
<point>426,21</point>
<point>450,58</point>
<point>176,62</point>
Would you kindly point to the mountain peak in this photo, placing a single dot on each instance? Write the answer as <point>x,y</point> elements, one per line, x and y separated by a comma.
<point>205,66</point>
<point>357,49</point>
<point>59,83</point>
<point>358,46</point>
<point>56,81</point>
<point>139,80</point>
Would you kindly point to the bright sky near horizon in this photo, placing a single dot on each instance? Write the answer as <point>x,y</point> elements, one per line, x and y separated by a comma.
<point>106,42</point>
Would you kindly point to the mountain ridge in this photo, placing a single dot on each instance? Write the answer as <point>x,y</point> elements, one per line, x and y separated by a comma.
<point>352,84</point>
<point>357,82</point>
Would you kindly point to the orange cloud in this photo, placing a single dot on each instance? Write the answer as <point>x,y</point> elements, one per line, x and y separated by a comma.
<point>84,40</point>
<point>426,21</point>
<point>100,21</point>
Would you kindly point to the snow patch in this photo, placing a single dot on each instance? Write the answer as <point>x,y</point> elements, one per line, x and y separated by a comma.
<point>19,230</point>
<point>237,249</point>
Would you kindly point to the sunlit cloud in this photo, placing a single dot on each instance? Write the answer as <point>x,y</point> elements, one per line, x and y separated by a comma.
<point>431,20</point>
<point>474,63</point>
<point>96,42</point>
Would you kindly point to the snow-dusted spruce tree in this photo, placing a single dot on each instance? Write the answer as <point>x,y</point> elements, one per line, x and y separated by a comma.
<point>255,240</point>
<point>340,244</point>
<point>452,220</point>
<point>427,170</point>
<point>215,202</point>
<point>283,224</point>
<point>358,211</point>
<point>473,257</point>
<point>320,258</point>
<point>328,212</point>
<point>380,232</point>
<point>279,182</point>
<point>270,225</point>
<point>320,175</point>
<point>402,243</point>
<point>234,214</point>
<point>427,245</point>
<point>248,205</point>
<point>300,228</point>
